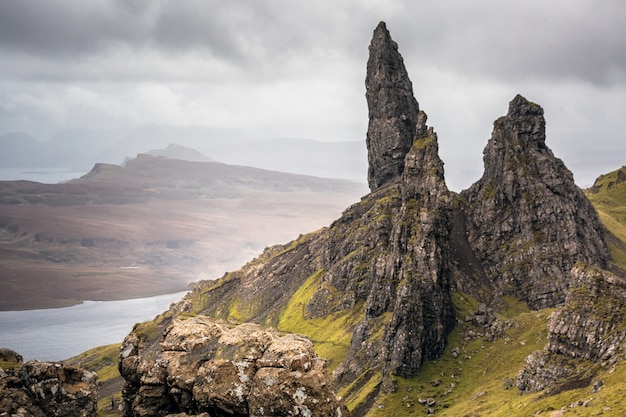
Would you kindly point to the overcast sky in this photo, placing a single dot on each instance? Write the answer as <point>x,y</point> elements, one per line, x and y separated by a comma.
<point>297,68</point>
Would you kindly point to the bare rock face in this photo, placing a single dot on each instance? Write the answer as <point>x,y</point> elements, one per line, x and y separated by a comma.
<point>204,366</point>
<point>393,111</point>
<point>47,389</point>
<point>527,222</point>
<point>588,327</point>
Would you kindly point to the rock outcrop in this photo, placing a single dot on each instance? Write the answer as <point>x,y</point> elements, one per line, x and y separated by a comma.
<point>588,327</point>
<point>527,221</point>
<point>393,110</point>
<point>45,389</point>
<point>203,366</point>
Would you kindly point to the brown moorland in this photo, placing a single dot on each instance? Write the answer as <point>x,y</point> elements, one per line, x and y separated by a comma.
<point>150,227</point>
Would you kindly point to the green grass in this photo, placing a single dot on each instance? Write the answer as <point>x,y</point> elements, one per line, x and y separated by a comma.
<point>103,360</point>
<point>480,381</point>
<point>331,335</point>
<point>10,365</point>
<point>609,199</point>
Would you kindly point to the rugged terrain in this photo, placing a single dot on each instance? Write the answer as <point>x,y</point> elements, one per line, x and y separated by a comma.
<point>43,389</point>
<point>507,299</point>
<point>149,227</point>
<point>415,285</point>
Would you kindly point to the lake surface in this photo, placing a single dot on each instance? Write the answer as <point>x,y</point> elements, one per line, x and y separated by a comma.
<point>43,175</point>
<point>61,333</point>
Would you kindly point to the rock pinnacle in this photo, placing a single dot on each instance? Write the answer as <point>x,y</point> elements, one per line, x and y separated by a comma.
<point>393,110</point>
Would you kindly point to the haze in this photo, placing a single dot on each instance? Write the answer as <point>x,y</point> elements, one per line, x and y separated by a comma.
<point>281,69</point>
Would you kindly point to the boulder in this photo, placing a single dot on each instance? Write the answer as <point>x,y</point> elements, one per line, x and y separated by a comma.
<point>48,389</point>
<point>205,366</point>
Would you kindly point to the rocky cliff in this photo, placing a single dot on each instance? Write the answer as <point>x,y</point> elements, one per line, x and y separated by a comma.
<point>374,291</point>
<point>203,366</point>
<point>586,334</point>
<point>45,389</point>
<point>527,221</point>
<point>393,110</point>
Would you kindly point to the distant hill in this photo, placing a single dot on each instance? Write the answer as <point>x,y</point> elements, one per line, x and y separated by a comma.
<point>184,153</point>
<point>149,227</point>
<point>80,149</point>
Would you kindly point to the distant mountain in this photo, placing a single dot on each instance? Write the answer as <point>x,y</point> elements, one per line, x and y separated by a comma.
<point>183,153</point>
<point>80,149</point>
<point>21,150</point>
<point>302,156</point>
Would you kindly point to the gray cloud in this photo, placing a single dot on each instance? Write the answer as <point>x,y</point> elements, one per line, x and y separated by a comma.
<point>297,68</point>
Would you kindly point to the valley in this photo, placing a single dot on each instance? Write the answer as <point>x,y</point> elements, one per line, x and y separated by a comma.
<point>149,228</point>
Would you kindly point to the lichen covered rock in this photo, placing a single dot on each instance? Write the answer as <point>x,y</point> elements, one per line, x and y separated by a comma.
<point>590,327</point>
<point>47,389</point>
<point>200,365</point>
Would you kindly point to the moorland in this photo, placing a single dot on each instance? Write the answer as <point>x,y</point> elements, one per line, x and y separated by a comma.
<point>149,227</point>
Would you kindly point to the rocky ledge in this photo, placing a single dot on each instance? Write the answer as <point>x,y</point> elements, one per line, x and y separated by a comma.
<point>45,389</point>
<point>205,366</point>
<point>584,334</point>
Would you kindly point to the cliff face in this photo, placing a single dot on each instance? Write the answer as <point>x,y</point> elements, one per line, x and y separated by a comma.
<point>527,222</point>
<point>588,327</point>
<point>374,290</point>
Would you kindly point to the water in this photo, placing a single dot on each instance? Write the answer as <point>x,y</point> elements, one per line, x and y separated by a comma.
<point>61,333</point>
<point>44,175</point>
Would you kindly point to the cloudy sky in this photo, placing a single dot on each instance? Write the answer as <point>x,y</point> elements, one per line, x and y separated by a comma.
<point>285,68</point>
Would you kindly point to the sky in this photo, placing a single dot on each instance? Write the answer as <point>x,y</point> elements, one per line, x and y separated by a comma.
<point>285,68</point>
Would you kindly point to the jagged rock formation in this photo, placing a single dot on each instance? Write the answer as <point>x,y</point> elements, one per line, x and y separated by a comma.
<point>203,366</point>
<point>45,389</point>
<point>589,327</point>
<point>374,289</point>
<point>527,222</point>
<point>393,110</point>
<point>383,266</point>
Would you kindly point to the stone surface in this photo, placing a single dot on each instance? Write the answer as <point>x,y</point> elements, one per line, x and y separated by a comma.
<point>202,366</point>
<point>8,355</point>
<point>393,111</point>
<point>47,389</point>
<point>527,221</point>
<point>589,326</point>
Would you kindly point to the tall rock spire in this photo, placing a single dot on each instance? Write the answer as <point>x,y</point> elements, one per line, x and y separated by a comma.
<point>393,111</point>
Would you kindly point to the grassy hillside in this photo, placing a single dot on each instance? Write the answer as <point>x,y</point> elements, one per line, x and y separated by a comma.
<point>103,360</point>
<point>480,379</point>
<point>608,196</point>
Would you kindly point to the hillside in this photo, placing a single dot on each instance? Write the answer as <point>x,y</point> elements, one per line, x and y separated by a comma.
<point>608,196</point>
<point>501,300</point>
<point>149,227</point>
